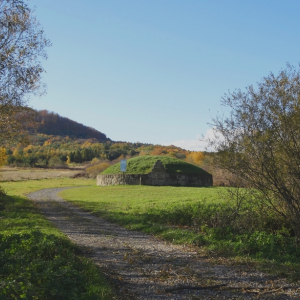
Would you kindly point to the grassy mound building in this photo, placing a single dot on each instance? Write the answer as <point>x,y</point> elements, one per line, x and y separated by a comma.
<point>144,165</point>
<point>155,170</point>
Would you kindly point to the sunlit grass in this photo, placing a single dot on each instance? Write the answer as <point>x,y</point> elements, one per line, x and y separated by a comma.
<point>187,215</point>
<point>144,165</point>
<point>139,198</point>
<point>29,186</point>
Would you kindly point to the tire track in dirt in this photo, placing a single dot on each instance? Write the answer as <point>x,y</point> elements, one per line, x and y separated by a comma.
<point>142,266</point>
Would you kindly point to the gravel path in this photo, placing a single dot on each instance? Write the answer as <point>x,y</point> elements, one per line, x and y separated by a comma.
<point>144,267</point>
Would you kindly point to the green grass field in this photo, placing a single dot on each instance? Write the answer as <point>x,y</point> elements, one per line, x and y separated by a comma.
<point>36,260</point>
<point>197,216</point>
<point>144,165</point>
<point>21,188</point>
<point>31,248</point>
<point>122,202</point>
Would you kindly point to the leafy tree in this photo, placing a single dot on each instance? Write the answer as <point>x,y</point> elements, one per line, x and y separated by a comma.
<point>195,157</point>
<point>87,154</point>
<point>63,158</point>
<point>70,157</point>
<point>259,143</point>
<point>22,45</point>
<point>3,156</point>
<point>77,156</point>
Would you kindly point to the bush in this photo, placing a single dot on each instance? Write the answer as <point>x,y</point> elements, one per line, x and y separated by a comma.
<point>55,161</point>
<point>93,171</point>
<point>95,160</point>
<point>225,229</point>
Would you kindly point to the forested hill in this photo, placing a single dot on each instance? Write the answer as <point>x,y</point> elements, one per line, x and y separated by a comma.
<point>51,123</point>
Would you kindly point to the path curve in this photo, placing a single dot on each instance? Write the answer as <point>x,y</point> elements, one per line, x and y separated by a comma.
<point>142,266</point>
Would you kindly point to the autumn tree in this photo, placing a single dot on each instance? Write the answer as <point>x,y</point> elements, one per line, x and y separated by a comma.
<point>3,156</point>
<point>71,157</point>
<point>22,46</point>
<point>259,142</point>
<point>195,157</point>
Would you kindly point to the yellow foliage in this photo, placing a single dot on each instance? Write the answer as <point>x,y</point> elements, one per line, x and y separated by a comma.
<point>172,153</point>
<point>29,147</point>
<point>195,157</point>
<point>3,156</point>
<point>86,144</point>
<point>15,152</point>
<point>95,160</point>
<point>47,143</point>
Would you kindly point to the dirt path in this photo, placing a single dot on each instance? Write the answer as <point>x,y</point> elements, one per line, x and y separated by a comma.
<point>143,267</point>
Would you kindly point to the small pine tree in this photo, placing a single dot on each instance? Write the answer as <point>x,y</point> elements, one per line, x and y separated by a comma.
<point>77,156</point>
<point>85,154</point>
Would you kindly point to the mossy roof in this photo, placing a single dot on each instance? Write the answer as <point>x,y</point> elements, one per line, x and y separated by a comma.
<point>144,165</point>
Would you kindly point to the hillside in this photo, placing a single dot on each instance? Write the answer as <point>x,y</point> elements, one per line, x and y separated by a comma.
<point>50,123</point>
<point>56,140</point>
<point>144,164</point>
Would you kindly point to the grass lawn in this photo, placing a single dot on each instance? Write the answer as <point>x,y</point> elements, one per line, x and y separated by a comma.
<point>21,188</point>
<point>196,216</point>
<point>36,260</point>
<point>139,200</point>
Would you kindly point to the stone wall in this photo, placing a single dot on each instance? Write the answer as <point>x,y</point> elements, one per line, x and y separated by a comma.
<point>121,179</point>
<point>158,177</point>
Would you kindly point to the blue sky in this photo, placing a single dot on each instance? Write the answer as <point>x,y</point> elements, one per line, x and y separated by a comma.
<point>154,71</point>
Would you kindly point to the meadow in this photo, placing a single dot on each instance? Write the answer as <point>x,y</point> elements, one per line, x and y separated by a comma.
<point>20,174</point>
<point>202,217</point>
<point>36,260</point>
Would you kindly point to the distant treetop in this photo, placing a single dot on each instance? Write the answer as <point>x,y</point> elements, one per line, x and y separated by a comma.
<point>51,123</point>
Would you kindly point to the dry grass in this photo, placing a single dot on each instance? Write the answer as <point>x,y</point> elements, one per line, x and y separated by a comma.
<point>18,174</point>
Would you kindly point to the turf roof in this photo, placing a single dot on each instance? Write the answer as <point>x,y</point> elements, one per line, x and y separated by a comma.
<point>144,165</point>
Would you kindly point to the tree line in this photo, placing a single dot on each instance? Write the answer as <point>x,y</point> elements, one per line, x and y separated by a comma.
<point>49,150</point>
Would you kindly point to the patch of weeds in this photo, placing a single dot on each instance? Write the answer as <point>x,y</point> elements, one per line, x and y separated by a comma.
<point>36,260</point>
<point>34,265</point>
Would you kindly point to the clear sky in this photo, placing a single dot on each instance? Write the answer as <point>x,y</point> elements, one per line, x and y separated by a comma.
<point>154,71</point>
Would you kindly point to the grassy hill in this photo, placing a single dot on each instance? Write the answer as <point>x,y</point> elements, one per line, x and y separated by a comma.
<point>144,164</point>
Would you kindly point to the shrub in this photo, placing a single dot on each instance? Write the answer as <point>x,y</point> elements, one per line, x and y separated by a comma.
<point>93,171</point>
<point>55,161</point>
<point>95,160</point>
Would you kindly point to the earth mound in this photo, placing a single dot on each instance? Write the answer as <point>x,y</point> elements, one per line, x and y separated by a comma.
<point>144,165</point>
